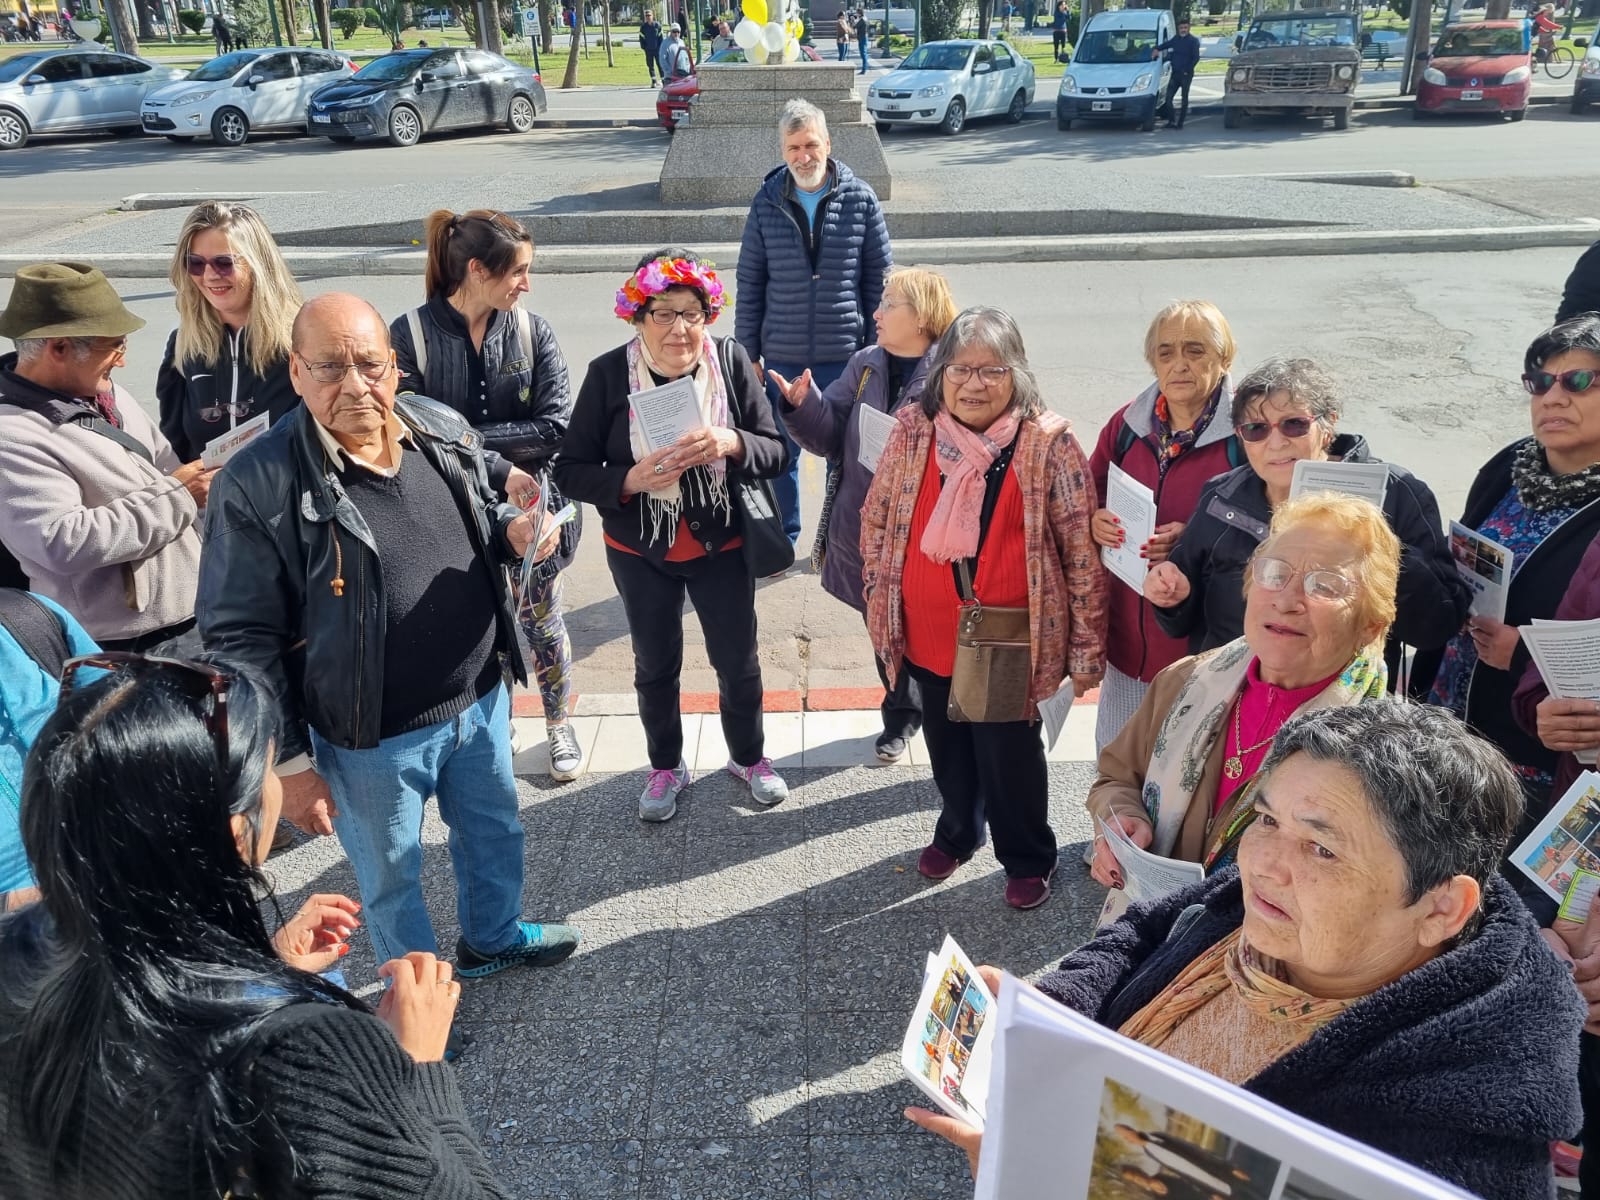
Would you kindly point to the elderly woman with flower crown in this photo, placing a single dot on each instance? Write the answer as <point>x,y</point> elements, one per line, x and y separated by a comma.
<point>668,517</point>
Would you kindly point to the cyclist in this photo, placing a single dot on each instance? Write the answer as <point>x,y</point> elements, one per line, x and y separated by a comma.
<point>1546,26</point>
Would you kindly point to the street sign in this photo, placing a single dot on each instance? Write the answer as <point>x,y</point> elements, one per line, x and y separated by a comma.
<point>530,22</point>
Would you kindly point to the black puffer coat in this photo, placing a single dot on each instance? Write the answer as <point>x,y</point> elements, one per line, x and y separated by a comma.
<point>194,397</point>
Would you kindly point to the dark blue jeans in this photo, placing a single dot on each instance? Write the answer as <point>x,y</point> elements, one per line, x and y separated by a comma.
<point>786,487</point>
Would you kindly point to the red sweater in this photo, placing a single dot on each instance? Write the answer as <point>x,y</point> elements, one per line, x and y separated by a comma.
<point>931,603</point>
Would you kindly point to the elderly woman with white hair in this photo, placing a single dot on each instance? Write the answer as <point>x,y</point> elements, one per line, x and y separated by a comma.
<point>981,503</point>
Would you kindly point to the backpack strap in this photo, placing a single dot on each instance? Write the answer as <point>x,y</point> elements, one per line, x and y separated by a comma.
<point>525,334</point>
<point>419,344</point>
<point>1126,437</point>
<point>121,437</point>
<point>36,629</point>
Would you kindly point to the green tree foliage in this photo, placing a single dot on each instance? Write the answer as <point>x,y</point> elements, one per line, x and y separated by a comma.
<point>252,19</point>
<point>348,20</point>
<point>394,18</point>
<point>941,19</point>
<point>192,19</point>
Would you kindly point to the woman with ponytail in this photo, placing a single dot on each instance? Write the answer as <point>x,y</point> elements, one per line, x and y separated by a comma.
<point>155,1040</point>
<point>472,346</point>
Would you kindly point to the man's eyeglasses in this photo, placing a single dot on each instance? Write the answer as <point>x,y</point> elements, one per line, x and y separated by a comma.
<point>1290,427</point>
<point>666,316</point>
<point>222,264</point>
<point>201,681</point>
<point>1574,383</point>
<point>959,373</point>
<point>334,372</point>
<point>1320,583</point>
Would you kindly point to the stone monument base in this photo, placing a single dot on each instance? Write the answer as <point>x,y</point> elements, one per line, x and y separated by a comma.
<point>729,141</point>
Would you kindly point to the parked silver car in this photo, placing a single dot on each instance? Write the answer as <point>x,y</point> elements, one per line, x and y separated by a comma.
<point>75,90</point>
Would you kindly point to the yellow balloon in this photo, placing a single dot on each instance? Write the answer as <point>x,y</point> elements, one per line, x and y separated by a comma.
<point>756,10</point>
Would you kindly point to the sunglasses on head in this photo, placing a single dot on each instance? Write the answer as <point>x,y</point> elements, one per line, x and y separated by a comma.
<point>199,679</point>
<point>1290,427</point>
<point>222,264</point>
<point>1574,383</point>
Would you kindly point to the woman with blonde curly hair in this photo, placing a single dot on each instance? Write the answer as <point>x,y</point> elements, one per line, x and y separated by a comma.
<point>228,359</point>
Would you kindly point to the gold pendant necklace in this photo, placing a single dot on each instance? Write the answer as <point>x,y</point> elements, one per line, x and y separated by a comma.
<point>1233,765</point>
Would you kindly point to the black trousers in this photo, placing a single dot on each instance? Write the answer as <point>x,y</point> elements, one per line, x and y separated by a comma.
<point>1059,37</point>
<point>724,598</point>
<point>1174,84</point>
<point>1589,1093</point>
<point>992,774</point>
<point>902,703</point>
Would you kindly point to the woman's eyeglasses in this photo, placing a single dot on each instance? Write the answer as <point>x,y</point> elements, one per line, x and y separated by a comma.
<point>1574,383</point>
<point>1320,583</point>
<point>200,679</point>
<point>959,373</point>
<point>1290,427</point>
<point>215,412</point>
<point>222,264</point>
<point>334,372</point>
<point>690,316</point>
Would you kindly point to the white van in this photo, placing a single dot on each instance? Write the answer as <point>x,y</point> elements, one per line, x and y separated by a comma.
<point>1587,89</point>
<point>1113,75</point>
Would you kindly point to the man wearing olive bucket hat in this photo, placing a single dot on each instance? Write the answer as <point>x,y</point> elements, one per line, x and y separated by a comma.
<point>95,508</point>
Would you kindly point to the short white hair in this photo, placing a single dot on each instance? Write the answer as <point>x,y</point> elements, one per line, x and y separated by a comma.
<point>801,114</point>
<point>31,349</point>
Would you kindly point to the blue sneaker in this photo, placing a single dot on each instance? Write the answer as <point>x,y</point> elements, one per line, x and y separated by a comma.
<point>539,946</point>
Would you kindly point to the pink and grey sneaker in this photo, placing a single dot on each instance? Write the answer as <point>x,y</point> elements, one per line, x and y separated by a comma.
<point>766,788</point>
<point>659,800</point>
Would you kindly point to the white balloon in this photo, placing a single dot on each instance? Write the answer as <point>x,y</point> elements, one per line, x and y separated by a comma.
<point>773,37</point>
<point>791,50</point>
<point>747,34</point>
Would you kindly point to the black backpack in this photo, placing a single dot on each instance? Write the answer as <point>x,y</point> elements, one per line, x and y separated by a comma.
<point>35,628</point>
<point>1126,437</point>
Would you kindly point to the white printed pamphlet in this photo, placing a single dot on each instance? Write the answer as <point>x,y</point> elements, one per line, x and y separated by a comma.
<point>1135,506</point>
<point>1485,565</point>
<point>1145,876</point>
<point>225,445</point>
<point>1567,654</point>
<point>874,428</point>
<point>1054,711</point>
<point>949,1039</point>
<point>1566,841</point>
<point>1076,1109</point>
<point>1365,480</point>
<point>667,412</point>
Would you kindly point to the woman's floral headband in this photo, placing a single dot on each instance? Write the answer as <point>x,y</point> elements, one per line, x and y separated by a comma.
<point>657,276</point>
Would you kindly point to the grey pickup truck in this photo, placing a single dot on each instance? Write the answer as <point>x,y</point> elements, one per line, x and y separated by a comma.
<point>1295,60</point>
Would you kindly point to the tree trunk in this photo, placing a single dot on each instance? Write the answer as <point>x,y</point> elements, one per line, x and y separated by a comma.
<point>985,17</point>
<point>122,30</point>
<point>324,23</point>
<point>1091,8</point>
<point>547,28</point>
<point>147,25</point>
<point>1497,10</point>
<point>570,79</point>
<point>291,23</point>
<point>494,34</point>
<point>605,31</point>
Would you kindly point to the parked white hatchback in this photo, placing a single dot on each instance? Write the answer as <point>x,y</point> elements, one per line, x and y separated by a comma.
<point>246,91</point>
<point>948,83</point>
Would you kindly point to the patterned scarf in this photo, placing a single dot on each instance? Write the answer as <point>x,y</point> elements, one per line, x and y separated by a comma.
<point>964,457</point>
<point>1259,982</point>
<point>1542,489</point>
<point>1198,717</point>
<point>1174,442</point>
<point>707,485</point>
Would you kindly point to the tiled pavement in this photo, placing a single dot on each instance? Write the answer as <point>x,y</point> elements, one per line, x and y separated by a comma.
<point>730,1027</point>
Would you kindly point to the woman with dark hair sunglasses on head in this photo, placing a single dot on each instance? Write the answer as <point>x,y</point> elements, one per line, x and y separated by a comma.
<point>144,1006</point>
<point>1286,411</point>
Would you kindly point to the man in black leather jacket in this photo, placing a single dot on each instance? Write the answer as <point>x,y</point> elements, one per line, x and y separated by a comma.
<point>335,563</point>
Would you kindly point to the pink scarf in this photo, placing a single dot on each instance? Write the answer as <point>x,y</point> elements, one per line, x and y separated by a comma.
<point>964,457</point>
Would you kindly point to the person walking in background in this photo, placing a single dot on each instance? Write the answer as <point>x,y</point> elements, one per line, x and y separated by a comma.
<point>474,347</point>
<point>915,311</point>
<point>355,555</point>
<point>670,523</point>
<point>983,495</point>
<point>1058,30</point>
<point>650,43</point>
<point>219,33</point>
<point>228,359</point>
<point>1183,53</point>
<point>863,32</point>
<point>843,31</point>
<point>811,272</point>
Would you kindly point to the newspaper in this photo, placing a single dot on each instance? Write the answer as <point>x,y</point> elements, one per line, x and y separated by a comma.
<point>1485,565</point>
<point>949,1040</point>
<point>1367,481</point>
<point>1145,876</point>
<point>1075,1109</point>
<point>1566,841</point>
<point>874,427</point>
<point>1567,654</point>
<point>667,412</point>
<point>1135,506</point>
<point>225,445</point>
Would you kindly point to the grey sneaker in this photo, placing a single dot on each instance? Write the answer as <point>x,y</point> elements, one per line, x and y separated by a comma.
<point>659,800</point>
<point>566,759</point>
<point>765,786</point>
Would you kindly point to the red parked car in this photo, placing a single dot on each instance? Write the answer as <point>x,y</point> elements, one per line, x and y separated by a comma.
<point>672,102</point>
<point>1482,66</point>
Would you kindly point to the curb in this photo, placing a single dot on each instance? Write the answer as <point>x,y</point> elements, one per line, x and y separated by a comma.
<point>1273,243</point>
<point>625,704</point>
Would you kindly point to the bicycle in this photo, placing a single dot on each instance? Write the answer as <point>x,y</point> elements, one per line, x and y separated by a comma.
<point>1557,61</point>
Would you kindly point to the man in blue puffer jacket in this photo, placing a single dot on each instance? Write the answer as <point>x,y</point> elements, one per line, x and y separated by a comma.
<point>811,272</point>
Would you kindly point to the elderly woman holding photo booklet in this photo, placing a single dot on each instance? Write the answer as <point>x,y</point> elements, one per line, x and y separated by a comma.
<point>1364,965</point>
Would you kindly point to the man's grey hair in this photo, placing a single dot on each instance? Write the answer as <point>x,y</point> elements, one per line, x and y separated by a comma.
<point>993,329</point>
<point>801,114</point>
<point>32,349</point>
<point>1305,381</point>
<point>1447,799</point>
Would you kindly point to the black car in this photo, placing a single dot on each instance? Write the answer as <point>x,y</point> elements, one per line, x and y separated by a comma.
<point>406,94</point>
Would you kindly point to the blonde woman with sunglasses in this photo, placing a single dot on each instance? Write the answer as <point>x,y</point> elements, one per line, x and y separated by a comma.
<point>228,359</point>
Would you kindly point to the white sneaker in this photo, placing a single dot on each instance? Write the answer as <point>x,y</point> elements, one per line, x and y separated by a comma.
<point>659,800</point>
<point>566,758</point>
<point>765,786</point>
